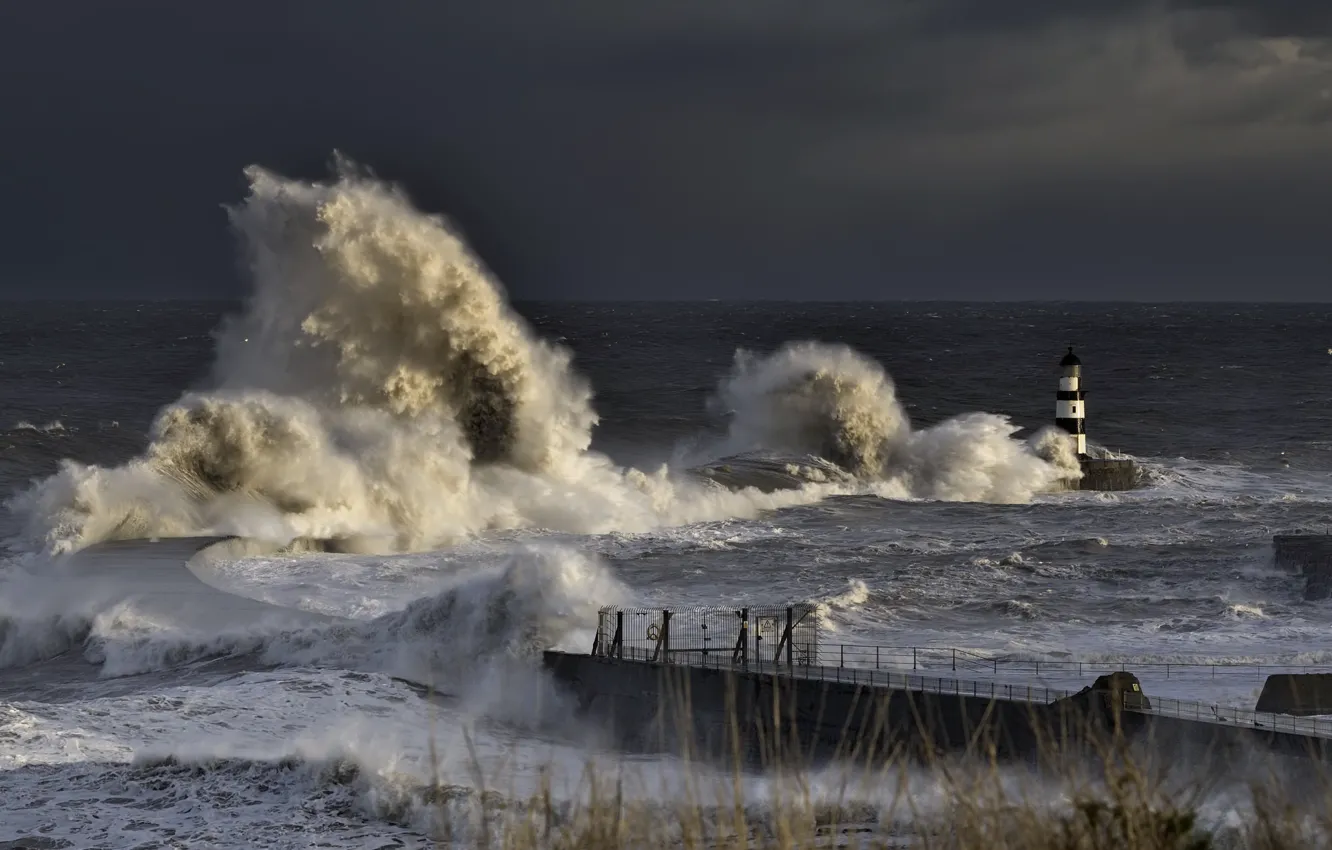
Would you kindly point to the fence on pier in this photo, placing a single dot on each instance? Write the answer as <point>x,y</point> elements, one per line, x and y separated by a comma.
<point>918,658</point>
<point>759,635</point>
<point>786,635</point>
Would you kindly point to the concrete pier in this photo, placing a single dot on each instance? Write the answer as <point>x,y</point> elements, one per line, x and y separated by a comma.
<point>759,718</point>
<point>1107,474</point>
<point>1309,555</point>
<point>747,685</point>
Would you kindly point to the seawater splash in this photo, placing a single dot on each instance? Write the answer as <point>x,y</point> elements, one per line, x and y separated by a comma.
<point>378,391</point>
<point>540,597</point>
<point>362,302</point>
<point>856,595</point>
<point>831,401</point>
<point>537,597</point>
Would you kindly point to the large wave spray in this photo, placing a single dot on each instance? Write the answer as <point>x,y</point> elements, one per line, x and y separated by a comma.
<point>832,402</point>
<point>536,597</point>
<point>377,390</point>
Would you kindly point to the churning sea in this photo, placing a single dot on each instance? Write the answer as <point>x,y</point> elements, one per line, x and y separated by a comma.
<point>122,724</point>
<point>120,730</point>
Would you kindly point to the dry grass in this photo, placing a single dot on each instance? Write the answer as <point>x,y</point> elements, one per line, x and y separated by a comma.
<point>1106,797</point>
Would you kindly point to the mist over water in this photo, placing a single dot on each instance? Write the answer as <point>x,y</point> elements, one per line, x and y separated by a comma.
<point>378,390</point>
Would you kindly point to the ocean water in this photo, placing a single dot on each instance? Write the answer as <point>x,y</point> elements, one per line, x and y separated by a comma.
<point>490,473</point>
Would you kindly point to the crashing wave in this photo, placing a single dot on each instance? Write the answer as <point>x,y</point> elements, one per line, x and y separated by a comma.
<point>378,390</point>
<point>833,403</point>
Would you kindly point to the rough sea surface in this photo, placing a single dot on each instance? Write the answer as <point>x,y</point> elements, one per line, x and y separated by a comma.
<point>493,474</point>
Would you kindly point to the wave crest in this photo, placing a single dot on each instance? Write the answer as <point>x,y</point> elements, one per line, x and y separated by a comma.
<point>828,400</point>
<point>814,398</point>
<point>362,301</point>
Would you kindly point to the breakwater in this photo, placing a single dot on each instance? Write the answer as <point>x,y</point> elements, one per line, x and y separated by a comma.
<point>764,698</point>
<point>823,714</point>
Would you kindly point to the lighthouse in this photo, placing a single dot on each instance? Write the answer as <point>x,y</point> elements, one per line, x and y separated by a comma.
<point>1070,409</point>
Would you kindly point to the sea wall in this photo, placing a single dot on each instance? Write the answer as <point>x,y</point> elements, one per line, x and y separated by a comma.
<point>758,718</point>
<point>763,717</point>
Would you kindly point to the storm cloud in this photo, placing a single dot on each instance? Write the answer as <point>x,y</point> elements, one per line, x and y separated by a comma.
<point>885,149</point>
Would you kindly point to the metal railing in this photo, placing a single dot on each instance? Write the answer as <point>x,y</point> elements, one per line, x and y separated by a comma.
<point>1010,691</point>
<point>677,634</point>
<point>1260,720</point>
<point>883,677</point>
<point>904,657</point>
<point>939,658</point>
<point>739,633</point>
<point>917,658</point>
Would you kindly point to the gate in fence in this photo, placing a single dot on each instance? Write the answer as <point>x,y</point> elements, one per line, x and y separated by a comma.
<point>787,635</point>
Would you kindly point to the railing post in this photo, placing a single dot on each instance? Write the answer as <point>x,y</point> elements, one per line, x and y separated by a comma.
<point>954,660</point>
<point>913,659</point>
<point>665,636</point>
<point>741,651</point>
<point>876,657</point>
<point>841,655</point>
<point>744,637</point>
<point>790,637</point>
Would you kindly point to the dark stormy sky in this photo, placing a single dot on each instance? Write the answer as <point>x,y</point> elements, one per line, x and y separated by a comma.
<point>985,149</point>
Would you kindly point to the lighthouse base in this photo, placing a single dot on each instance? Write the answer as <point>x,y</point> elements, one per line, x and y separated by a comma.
<point>1107,474</point>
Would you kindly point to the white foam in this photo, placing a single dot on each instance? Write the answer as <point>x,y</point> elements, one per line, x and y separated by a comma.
<point>857,594</point>
<point>55,426</point>
<point>833,402</point>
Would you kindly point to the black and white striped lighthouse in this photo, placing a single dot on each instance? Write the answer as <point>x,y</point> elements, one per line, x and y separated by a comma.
<point>1070,409</point>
